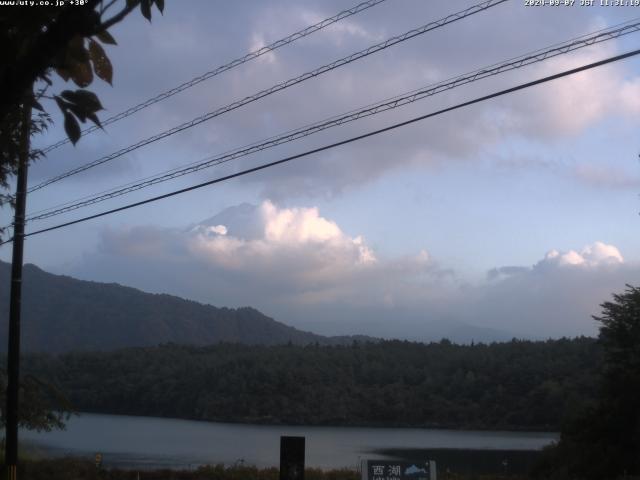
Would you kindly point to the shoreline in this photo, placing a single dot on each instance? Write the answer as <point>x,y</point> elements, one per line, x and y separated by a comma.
<point>256,422</point>
<point>147,442</point>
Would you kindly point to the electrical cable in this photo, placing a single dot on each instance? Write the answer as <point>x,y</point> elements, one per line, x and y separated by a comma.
<point>223,68</point>
<point>342,142</point>
<point>278,87</point>
<point>389,104</point>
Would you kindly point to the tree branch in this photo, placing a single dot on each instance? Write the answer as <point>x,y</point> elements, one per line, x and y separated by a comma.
<point>106,7</point>
<point>116,18</point>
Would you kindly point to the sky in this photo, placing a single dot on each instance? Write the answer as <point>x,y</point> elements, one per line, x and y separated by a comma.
<point>517,216</point>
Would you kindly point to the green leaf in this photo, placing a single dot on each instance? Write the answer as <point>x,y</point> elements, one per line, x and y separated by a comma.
<point>160,5</point>
<point>145,8</point>
<point>101,64</point>
<point>71,127</point>
<point>106,38</point>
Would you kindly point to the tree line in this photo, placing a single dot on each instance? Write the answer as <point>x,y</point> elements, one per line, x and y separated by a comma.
<point>513,385</point>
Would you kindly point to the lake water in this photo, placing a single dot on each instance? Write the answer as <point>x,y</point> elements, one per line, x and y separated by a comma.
<point>147,442</point>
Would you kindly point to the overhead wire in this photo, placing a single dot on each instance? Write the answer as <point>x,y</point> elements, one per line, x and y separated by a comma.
<point>340,143</point>
<point>474,9</point>
<point>373,109</point>
<point>223,68</point>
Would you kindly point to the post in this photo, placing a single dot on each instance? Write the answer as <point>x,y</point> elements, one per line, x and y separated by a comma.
<point>13,355</point>
<point>292,458</point>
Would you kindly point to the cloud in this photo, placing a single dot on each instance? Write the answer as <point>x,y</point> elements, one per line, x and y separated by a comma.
<point>554,297</point>
<point>258,42</point>
<point>557,111</point>
<point>339,32</point>
<point>257,255</point>
<point>505,271</point>
<point>304,269</point>
<point>568,106</point>
<point>293,263</point>
<point>595,255</point>
<point>554,111</point>
<point>313,248</point>
<point>610,177</point>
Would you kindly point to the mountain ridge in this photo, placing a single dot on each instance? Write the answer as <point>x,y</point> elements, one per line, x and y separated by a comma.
<point>61,313</point>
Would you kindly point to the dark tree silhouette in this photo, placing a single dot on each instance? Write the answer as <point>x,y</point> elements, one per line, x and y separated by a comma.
<point>604,441</point>
<point>40,41</point>
<point>36,42</point>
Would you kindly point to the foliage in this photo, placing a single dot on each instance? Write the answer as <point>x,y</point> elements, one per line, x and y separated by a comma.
<point>65,40</point>
<point>42,40</point>
<point>42,406</point>
<point>514,385</point>
<point>66,468</point>
<point>10,145</point>
<point>604,441</point>
<point>80,469</point>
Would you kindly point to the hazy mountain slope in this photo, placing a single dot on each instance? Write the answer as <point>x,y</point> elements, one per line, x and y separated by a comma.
<point>61,313</point>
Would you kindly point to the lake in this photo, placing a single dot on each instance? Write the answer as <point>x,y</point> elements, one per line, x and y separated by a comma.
<point>147,442</point>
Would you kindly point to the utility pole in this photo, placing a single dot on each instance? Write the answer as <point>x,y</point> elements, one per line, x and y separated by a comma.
<point>13,356</point>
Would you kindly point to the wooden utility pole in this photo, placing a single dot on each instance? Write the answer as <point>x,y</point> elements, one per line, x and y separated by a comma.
<point>13,356</point>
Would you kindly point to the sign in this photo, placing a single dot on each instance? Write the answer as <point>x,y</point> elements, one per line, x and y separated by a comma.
<point>393,470</point>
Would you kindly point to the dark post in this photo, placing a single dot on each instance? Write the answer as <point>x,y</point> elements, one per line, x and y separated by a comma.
<point>291,458</point>
<point>13,355</point>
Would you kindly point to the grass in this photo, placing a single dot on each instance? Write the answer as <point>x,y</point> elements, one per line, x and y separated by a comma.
<point>79,469</point>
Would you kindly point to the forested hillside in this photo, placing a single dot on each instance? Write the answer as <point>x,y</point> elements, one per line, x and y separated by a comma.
<point>513,385</point>
<point>61,313</point>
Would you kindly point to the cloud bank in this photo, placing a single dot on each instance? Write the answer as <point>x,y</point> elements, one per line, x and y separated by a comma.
<point>305,270</point>
<point>209,35</point>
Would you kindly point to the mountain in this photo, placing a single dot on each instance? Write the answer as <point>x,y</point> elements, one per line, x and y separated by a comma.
<point>60,314</point>
<point>419,328</point>
<point>460,332</point>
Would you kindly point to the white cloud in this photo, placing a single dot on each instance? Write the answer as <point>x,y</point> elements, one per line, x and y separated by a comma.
<point>291,262</point>
<point>257,42</point>
<point>261,254</point>
<point>554,297</point>
<point>303,269</point>
<point>567,106</point>
<point>339,32</point>
<point>594,255</point>
<point>312,246</point>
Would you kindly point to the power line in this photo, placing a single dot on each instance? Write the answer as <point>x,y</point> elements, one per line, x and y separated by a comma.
<point>342,142</point>
<point>278,87</point>
<point>389,104</point>
<point>223,68</point>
